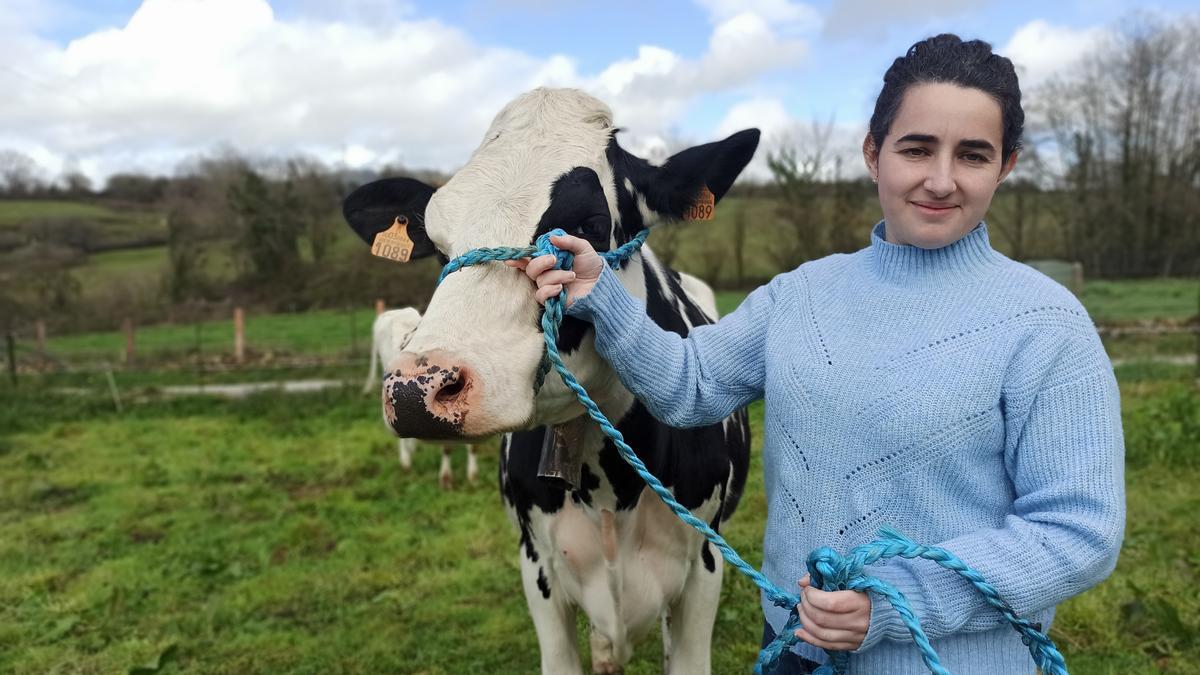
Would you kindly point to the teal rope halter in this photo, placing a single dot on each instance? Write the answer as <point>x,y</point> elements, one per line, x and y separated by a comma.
<point>829,570</point>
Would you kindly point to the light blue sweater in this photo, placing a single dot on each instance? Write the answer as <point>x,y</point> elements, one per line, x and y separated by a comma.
<point>956,394</point>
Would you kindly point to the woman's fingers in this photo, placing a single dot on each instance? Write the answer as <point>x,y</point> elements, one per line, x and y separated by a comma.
<point>575,245</point>
<point>556,277</point>
<point>544,293</point>
<point>815,641</point>
<point>537,265</point>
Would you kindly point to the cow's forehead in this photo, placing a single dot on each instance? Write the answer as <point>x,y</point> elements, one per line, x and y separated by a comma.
<point>498,197</point>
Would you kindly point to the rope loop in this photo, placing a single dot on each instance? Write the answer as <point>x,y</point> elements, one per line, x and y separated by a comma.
<point>829,570</point>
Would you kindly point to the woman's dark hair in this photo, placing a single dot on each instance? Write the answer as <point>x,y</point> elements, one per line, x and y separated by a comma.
<point>947,59</point>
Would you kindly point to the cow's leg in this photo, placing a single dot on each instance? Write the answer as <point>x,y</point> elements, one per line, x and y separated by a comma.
<point>407,447</point>
<point>472,465</point>
<point>553,619</point>
<point>691,618</point>
<point>445,477</point>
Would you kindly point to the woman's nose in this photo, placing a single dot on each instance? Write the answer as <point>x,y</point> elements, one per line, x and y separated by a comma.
<point>940,179</point>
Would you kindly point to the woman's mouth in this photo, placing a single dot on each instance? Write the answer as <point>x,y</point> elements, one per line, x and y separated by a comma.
<point>935,208</point>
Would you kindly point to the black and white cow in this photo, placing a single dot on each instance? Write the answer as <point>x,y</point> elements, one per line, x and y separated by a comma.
<point>605,544</point>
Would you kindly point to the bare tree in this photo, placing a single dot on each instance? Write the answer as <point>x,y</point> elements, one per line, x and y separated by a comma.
<point>797,166</point>
<point>1127,125</point>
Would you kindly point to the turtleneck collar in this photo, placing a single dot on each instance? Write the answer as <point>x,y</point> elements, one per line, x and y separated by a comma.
<point>911,264</point>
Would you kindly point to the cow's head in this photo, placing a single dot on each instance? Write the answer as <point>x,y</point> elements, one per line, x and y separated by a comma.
<point>550,159</point>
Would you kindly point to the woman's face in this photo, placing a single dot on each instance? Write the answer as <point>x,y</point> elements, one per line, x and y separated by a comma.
<point>939,164</point>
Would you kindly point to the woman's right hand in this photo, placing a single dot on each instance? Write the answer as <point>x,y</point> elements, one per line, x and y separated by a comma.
<point>578,281</point>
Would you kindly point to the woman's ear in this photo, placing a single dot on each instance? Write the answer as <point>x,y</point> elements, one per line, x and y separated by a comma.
<point>1008,166</point>
<point>871,157</point>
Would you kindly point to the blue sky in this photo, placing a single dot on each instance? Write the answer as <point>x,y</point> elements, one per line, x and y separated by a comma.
<point>111,85</point>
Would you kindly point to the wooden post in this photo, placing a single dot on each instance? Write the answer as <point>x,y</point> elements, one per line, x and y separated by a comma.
<point>1077,277</point>
<point>12,357</point>
<point>130,341</point>
<point>380,306</point>
<point>239,335</point>
<point>40,329</point>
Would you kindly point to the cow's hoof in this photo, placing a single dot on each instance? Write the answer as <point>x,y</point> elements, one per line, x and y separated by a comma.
<point>607,668</point>
<point>446,481</point>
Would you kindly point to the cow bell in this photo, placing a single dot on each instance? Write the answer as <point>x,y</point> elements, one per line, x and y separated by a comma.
<point>561,464</point>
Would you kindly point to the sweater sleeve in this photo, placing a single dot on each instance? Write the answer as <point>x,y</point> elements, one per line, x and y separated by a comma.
<point>1064,455</point>
<point>684,382</point>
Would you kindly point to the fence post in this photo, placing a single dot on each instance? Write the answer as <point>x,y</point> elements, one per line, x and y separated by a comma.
<point>130,341</point>
<point>239,335</point>
<point>12,357</point>
<point>40,329</point>
<point>380,306</point>
<point>1077,277</point>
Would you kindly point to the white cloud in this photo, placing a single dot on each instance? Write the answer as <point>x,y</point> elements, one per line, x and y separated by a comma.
<point>186,76</point>
<point>796,15</point>
<point>1039,50</point>
<point>838,142</point>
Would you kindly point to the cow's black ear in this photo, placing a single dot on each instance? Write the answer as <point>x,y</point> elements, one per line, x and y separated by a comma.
<point>373,208</point>
<point>673,188</point>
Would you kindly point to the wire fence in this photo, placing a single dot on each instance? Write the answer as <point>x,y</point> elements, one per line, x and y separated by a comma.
<point>245,347</point>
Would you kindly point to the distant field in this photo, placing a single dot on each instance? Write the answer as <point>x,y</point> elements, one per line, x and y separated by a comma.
<point>338,332</point>
<point>113,224</point>
<point>1140,299</point>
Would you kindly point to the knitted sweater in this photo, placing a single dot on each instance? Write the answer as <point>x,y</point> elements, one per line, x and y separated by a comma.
<point>953,393</point>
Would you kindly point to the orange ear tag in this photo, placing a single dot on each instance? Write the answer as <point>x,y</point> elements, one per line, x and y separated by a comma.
<point>394,243</point>
<point>704,208</point>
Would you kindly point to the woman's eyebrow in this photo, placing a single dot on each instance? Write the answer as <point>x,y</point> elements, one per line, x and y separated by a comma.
<point>977,144</point>
<point>917,138</point>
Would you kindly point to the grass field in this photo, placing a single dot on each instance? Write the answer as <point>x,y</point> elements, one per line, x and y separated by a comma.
<point>112,224</point>
<point>278,534</point>
<point>342,332</point>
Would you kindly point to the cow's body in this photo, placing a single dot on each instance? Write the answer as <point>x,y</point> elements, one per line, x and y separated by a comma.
<point>606,545</point>
<point>612,547</point>
<point>389,334</point>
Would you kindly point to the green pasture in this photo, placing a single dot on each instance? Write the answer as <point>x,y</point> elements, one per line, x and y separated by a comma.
<point>346,332</point>
<point>278,534</point>
<point>113,223</point>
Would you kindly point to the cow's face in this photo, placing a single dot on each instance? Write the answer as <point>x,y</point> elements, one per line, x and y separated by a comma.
<point>550,159</point>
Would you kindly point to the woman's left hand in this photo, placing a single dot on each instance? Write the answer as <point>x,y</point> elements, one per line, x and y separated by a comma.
<point>833,620</point>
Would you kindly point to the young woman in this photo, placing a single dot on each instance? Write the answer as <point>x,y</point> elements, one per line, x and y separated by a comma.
<point>926,381</point>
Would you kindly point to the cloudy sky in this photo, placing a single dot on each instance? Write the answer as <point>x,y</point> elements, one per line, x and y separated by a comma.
<point>114,85</point>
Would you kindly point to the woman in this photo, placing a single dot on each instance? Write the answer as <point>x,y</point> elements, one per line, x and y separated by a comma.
<point>926,381</point>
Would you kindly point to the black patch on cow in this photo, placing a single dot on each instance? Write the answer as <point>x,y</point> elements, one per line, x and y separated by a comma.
<point>407,398</point>
<point>520,453</point>
<point>692,462</point>
<point>707,556</point>
<point>373,207</point>
<point>577,205</point>
<point>571,333</point>
<point>542,584</point>
<point>588,481</point>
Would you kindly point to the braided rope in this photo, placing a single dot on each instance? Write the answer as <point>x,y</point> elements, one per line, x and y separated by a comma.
<point>829,570</point>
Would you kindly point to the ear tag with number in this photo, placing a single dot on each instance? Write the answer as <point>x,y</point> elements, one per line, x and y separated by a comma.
<point>704,208</point>
<point>394,243</point>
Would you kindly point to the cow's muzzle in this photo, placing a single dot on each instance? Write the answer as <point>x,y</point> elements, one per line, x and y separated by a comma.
<point>428,395</point>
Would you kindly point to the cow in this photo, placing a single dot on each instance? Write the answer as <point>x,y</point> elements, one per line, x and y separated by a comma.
<point>590,536</point>
<point>390,332</point>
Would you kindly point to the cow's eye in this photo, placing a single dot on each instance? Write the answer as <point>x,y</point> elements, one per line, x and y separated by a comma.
<point>595,228</point>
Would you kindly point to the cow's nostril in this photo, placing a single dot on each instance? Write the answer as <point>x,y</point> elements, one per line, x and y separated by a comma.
<point>452,390</point>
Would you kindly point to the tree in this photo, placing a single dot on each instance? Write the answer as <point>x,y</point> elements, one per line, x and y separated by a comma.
<point>19,174</point>
<point>797,167</point>
<point>1127,127</point>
